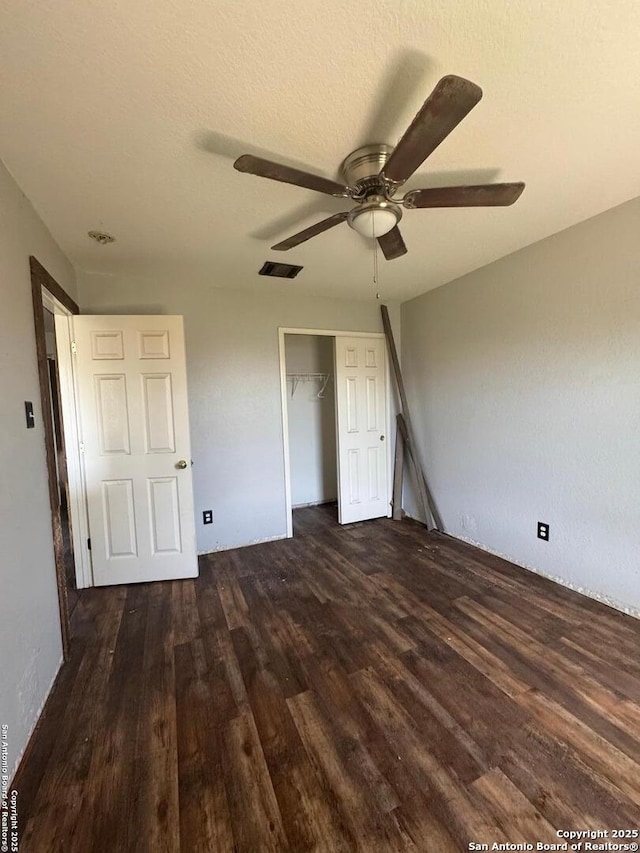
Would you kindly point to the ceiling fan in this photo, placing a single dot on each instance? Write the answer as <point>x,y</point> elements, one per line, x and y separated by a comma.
<point>374,173</point>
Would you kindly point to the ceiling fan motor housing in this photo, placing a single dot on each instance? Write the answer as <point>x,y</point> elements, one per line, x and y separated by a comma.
<point>362,168</point>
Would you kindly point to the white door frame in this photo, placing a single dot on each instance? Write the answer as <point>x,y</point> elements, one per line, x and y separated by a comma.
<point>75,471</point>
<point>327,333</point>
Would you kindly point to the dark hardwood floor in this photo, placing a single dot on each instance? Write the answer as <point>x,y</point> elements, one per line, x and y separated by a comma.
<point>370,688</point>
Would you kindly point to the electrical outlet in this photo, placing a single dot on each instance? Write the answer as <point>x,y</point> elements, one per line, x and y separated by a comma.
<point>207,516</point>
<point>543,531</point>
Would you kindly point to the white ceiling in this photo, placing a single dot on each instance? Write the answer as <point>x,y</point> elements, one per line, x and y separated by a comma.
<point>126,116</point>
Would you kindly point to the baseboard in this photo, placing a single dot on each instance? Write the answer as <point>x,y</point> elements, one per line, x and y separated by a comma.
<point>24,755</point>
<point>315,503</point>
<point>587,593</point>
<point>243,545</point>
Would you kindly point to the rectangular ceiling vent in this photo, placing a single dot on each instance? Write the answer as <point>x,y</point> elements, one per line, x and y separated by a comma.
<point>279,270</point>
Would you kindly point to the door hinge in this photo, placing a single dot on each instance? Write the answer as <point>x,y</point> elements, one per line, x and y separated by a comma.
<point>81,446</point>
<point>74,348</point>
<point>89,543</point>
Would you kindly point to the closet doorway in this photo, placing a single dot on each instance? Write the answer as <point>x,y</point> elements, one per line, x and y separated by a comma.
<point>311,420</point>
<point>335,417</point>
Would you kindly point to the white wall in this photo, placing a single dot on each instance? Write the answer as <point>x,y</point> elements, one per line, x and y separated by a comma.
<point>524,378</point>
<point>30,639</point>
<point>312,420</point>
<point>234,387</point>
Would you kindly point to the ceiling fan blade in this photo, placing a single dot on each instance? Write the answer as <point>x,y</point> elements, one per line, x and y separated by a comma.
<point>310,232</point>
<point>450,101</point>
<point>483,195</point>
<point>392,244</point>
<point>286,174</point>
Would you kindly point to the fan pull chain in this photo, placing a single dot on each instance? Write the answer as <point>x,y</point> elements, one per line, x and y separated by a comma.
<point>375,257</point>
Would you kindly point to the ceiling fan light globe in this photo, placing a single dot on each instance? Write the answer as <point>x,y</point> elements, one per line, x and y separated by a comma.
<point>373,221</point>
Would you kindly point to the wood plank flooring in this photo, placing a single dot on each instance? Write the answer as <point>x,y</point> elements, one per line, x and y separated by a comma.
<point>368,688</point>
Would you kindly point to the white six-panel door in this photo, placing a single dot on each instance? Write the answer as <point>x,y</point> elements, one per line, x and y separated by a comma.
<point>134,428</point>
<point>361,402</point>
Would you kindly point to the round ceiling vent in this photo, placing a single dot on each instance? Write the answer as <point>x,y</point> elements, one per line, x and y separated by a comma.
<point>101,237</point>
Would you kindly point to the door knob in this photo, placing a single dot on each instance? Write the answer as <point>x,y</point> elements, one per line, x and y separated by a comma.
<point>381,438</point>
<point>181,464</point>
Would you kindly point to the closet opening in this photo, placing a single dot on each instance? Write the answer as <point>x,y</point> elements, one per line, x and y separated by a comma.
<point>335,427</point>
<point>311,420</point>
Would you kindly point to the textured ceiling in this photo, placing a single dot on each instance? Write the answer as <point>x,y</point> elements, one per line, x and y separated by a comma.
<point>127,115</point>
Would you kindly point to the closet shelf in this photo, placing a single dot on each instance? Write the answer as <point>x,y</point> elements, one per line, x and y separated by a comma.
<point>295,378</point>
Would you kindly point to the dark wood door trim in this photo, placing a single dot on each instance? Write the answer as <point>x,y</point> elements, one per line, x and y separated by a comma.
<point>41,278</point>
